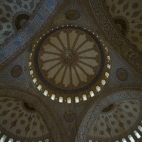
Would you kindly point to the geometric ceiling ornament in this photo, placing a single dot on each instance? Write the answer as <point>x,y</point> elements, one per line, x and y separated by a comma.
<point>69,64</point>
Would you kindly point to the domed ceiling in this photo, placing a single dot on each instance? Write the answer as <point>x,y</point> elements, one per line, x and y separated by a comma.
<point>13,15</point>
<point>20,119</point>
<point>127,15</point>
<point>69,61</point>
<point>115,120</point>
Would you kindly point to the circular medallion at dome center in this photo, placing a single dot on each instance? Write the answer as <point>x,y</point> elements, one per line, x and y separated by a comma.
<point>69,60</point>
<point>69,57</point>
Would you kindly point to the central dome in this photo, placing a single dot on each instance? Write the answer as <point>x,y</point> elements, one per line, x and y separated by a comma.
<point>69,60</point>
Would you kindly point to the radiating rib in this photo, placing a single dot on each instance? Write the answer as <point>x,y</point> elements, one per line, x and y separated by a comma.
<point>64,74</point>
<point>86,50</point>
<point>68,40</point>
<point>77,74</point>
<point>54,66</point>
<point>81,45</point>
<point>57,72</point>
<point>75,41</point>
<point>51,60</point>
<point>55,46</point>
<point>86,64</point>
<point>52,53</point>
<point>82,69</point>
<point>70,75</point>
<point>61,42</point>
<point>81,57</point>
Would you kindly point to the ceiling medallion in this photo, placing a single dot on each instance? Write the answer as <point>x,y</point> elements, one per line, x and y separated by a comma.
<point>16,71</point>
<point>122,74</point>
<point>69,64</point>
<point>72,14</point>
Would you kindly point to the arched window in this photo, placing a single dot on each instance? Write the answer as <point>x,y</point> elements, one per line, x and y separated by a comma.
<point>45,93</point>
<point>106,74</point>
<point>76,99</point>
<point>124,140</point>
<point>137,134</point>
<point>68,100</point>
<point>108,57</point>
<point>131,138</point>
<point>108,66</point>
<point>39,87</point>
<point>103,82</point>
<point>31,72</point>
<point>60,99</point>
<point>92,94</point>
<point>10,140</point>
<point>30,63</point>
<point>140,128</point>
<point>3,138</point>
<point>98,88</point>
<point>34,80</point>
<point>84,97</point>
<point>53,97</point>
<point>47,140</point>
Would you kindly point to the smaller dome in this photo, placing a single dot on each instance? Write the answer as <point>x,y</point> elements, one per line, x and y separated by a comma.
<point>22,120</point>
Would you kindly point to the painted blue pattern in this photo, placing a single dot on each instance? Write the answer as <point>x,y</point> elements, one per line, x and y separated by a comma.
<point>19,41</point>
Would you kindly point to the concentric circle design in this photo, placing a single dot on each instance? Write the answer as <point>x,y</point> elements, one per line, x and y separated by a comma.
<point>16,71</point>
<point>69,60</point>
